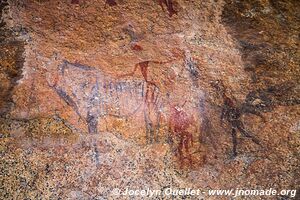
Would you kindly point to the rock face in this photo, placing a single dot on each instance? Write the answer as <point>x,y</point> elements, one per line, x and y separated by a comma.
<point>98,95</point>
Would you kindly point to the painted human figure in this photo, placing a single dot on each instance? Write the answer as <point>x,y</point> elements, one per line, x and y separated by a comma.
<point>151,109</point>
<point>233,113</point>
<point>179,123</point>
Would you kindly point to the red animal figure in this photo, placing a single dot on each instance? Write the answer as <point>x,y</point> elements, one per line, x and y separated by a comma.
<point>179,123</point>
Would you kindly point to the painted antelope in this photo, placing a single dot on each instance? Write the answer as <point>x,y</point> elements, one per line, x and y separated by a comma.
<point>93,95</point>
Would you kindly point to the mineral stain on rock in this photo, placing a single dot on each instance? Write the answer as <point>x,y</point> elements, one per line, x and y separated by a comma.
<point>11,64</point>
<point>111,2</point>
<point>75,1</point>
<point>170,6</point>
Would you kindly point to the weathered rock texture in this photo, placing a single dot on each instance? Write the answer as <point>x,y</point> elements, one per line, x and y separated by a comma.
<point>97,95</point>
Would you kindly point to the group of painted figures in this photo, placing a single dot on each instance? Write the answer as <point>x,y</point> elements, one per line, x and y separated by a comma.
<point>85,99</point>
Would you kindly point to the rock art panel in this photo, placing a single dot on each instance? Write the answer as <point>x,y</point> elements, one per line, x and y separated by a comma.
<point>100,94</point>
<point>99,100</point>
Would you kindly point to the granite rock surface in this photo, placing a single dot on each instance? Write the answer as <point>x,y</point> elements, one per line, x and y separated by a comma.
<point>97,95</point>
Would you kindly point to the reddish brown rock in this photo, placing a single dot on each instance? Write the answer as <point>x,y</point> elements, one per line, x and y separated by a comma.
<point>133,94</point>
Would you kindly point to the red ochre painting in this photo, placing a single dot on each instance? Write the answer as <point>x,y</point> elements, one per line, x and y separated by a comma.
<point>158,99</point>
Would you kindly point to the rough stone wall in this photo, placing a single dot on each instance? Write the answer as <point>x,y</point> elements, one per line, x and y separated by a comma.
<point>103,94</point>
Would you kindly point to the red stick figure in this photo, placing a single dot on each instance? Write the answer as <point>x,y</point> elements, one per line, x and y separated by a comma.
<point>143,67</point>
<point>150,98</point>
